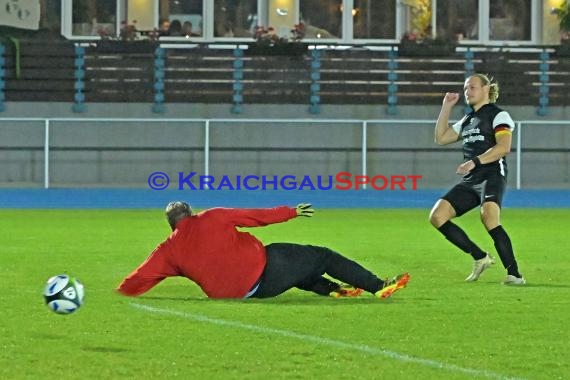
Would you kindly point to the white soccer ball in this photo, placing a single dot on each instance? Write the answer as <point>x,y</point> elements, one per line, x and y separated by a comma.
<point>63,294</point>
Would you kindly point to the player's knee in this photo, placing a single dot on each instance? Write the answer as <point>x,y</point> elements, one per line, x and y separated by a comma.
<point>441,212</point>
<point>489,219</point>
<point>437,218</point>
<point>489,222</point>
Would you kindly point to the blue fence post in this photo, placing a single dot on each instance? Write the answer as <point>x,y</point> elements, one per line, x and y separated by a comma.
<point>159,63</point>
<point>469,66</point>
<point>2,76</point>
<point>469,69</point>
<point>237,86</point>
<point>392,78</point>
<point>315,90</point>
<point>79,86</point>
<point>544,88</point>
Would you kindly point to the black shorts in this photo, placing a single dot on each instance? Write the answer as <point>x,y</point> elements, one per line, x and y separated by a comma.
<point>303,266</point>
<point>487,185</point>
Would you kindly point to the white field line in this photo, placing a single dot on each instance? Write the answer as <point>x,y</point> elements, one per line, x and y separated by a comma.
<point>330,342</point>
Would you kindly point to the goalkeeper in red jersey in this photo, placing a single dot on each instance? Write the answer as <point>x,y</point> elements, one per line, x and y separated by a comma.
<point>208,249</point>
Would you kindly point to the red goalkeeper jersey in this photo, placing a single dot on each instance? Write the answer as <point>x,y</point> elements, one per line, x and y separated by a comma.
<point>208,249</point>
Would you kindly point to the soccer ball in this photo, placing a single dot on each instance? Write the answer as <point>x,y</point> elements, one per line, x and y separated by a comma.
<point>63,294</point>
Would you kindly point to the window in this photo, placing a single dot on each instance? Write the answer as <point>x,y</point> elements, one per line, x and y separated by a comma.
<point>485,21</point>
<point>93,17</point>
<point>510,20</point>
<point>182,18</point>
<point>374,19</point>
<point>51,15</point>
<point>322,18</point>
<point>235,18</point>
<point>458,19</point>
<point>418,16</point>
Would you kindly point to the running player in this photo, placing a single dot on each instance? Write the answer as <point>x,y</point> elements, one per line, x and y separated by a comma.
<point>486,133</point>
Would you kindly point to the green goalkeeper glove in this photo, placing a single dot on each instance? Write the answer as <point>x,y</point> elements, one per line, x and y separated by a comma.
<point>304,209</point>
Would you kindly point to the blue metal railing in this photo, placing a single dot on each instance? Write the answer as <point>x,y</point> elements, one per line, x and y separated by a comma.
<point>2,76</point>
<point>159,63</point>
<point>315,97</point>
<point>237,86</point>
<point>79,86</point>
<point>392,78</point>
<point>544,85</point>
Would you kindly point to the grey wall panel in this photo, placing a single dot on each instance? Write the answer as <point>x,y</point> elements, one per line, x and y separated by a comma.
<point>126,153</point>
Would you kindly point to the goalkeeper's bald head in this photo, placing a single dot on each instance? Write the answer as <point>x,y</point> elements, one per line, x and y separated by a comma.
<point>176,211</point>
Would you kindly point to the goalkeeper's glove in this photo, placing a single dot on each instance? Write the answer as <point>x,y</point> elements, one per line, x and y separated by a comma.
<point>304,209</point>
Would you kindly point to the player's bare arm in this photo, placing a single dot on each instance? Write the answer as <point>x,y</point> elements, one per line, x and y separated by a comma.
<point>501,149</point>
<point>444,134</point>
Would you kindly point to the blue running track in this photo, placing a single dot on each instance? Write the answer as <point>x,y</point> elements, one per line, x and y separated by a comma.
<point>147,198</point>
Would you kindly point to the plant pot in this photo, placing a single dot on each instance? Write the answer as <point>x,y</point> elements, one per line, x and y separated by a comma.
<point>289,49</point>
<point>425,50</point>
<point>563,50</point>
<point>126,47</point>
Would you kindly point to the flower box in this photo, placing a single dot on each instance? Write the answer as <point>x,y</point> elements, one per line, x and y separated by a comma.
<point>419,49</point>
<point>291,49</point>
<point>563,50</point>
<point>126,47</point>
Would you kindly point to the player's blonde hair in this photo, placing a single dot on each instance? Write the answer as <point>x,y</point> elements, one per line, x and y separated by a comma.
<point>487,80</point>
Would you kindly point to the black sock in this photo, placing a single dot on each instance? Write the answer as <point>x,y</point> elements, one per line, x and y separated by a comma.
<point>348,271</point>
<point>460,239</point>
<point>319,285</point>
<point>505,250</point>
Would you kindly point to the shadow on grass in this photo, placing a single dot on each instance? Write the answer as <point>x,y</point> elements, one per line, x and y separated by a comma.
<point>535,285</point>
<point>105,349</point>
<point>170,298</point>
<point>51,336</point>
<point>527,285</point>
<point>296,300</point>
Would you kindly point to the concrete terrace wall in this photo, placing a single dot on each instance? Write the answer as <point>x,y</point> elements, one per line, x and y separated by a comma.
<point>123,154</point>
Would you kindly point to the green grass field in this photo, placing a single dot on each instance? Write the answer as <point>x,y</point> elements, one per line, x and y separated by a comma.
<point>437,328</point>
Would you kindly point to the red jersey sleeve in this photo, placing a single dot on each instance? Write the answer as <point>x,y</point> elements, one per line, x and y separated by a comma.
<point>153,270</point>
<point>255,217</point>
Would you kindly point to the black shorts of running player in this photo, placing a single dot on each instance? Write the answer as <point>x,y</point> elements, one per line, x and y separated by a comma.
<point>485,185</point>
